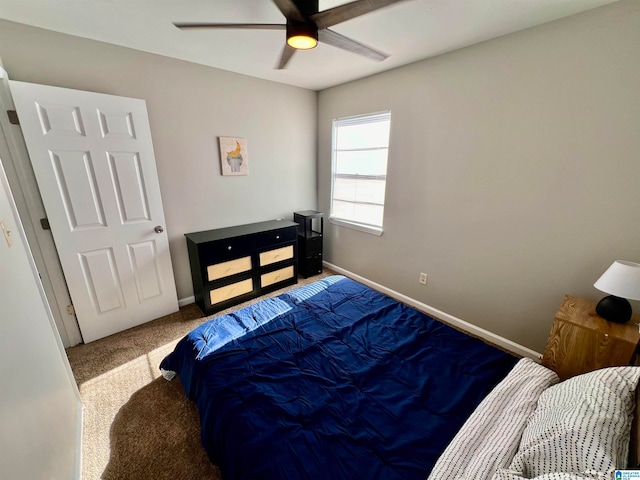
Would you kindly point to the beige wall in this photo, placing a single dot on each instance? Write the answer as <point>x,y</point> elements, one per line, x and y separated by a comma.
<point>514,172</point>
<point>189,107</point>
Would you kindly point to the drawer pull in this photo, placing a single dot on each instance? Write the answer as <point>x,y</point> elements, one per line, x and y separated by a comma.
<point>277,237</point>
<point>229,247</point>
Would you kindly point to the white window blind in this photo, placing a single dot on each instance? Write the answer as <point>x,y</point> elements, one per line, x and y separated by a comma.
<point>359,170</point>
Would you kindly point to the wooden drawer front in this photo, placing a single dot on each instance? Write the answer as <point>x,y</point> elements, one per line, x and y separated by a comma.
<point>276,276</point>
<point>225,269</point>
<point>311,265</point>
<point>313,246</point>
<point>581,341</point>
<point>222,250</point>
<point>275,237</point>
<point>234,290</point>
<point>572,350</point>
<point>309,247</point>
<point>277,255</point>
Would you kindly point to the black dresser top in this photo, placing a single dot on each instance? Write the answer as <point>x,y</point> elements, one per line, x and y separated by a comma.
<point>240,230</point>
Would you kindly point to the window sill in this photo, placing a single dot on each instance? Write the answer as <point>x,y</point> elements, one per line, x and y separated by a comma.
<point>357,226</point>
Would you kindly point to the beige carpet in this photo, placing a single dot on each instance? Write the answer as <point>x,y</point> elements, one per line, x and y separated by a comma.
<point>136,424</point>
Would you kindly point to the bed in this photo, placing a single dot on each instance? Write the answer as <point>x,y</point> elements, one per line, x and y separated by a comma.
<point>335,380</point>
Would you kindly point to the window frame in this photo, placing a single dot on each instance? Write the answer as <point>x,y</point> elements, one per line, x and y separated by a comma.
<point>335,124</point>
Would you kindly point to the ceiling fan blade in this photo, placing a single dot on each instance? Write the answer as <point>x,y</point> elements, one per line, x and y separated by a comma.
<point>258,26</point>
<point>287,53</point>
<point>342,13</point>
<point>289,9</point>
<point>333,38</point>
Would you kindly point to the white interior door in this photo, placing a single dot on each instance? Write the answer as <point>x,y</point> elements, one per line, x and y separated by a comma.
<point>94,163</point>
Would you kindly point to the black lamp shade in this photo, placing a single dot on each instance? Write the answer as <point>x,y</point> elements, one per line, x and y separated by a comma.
<point>614,309</point>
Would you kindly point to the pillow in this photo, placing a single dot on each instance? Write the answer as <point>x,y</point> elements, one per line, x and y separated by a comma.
<point>580,426</point>
<point>490,437</point>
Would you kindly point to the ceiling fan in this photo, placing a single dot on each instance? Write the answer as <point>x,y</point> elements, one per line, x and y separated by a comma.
<point>306,26</point>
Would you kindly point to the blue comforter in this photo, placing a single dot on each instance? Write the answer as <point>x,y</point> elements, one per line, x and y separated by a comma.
<point>332,381</point>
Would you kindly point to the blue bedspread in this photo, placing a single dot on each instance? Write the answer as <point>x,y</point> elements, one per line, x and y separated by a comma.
<point>332,381</point>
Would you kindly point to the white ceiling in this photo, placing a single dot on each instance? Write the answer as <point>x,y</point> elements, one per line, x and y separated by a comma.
<point>409,31</point>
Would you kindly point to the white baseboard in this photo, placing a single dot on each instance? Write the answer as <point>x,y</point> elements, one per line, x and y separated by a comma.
<point>490,337</point>
<point>186,301</point>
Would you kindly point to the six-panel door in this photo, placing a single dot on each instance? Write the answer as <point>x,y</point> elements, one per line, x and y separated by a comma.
<point>94,163</point>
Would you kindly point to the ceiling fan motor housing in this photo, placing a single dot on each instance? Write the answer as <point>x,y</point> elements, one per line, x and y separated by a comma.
<point>302,30</point>
<point>307,7</point>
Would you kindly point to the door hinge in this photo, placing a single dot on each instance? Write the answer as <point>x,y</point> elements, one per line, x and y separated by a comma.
<point>13,117</point>
<point>71,310</point>
<point>44,222</point>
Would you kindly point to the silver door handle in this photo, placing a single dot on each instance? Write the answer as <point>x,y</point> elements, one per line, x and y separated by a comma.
<point>159,229</point>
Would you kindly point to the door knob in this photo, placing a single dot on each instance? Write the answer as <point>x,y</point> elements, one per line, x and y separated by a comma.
<point>159,229</point>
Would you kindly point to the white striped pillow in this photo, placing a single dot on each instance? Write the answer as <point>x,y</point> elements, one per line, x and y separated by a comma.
<point>490,437</point>
<point>580,425</point>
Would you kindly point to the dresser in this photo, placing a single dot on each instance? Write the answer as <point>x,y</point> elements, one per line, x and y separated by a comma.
<point>234,264</point>
<point>581,340</point>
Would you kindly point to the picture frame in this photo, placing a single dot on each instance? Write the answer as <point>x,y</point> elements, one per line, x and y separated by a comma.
<point>234,157</point>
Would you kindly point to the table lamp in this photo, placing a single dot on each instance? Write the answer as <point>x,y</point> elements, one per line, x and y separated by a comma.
<point>621,281</point>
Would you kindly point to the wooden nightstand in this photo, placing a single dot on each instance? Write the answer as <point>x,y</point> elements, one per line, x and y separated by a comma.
<point>581,341</point>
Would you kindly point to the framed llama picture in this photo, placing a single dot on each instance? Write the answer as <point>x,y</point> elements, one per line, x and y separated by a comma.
<point>234,157</point>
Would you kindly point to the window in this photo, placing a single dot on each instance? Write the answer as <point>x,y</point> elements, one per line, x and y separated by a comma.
<point>359,171</point>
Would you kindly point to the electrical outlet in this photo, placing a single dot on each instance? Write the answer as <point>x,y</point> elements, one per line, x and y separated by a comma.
<point>423,278</point>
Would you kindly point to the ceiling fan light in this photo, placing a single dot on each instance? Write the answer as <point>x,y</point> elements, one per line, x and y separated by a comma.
<point>302,36</point>
<point>302,42</point>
